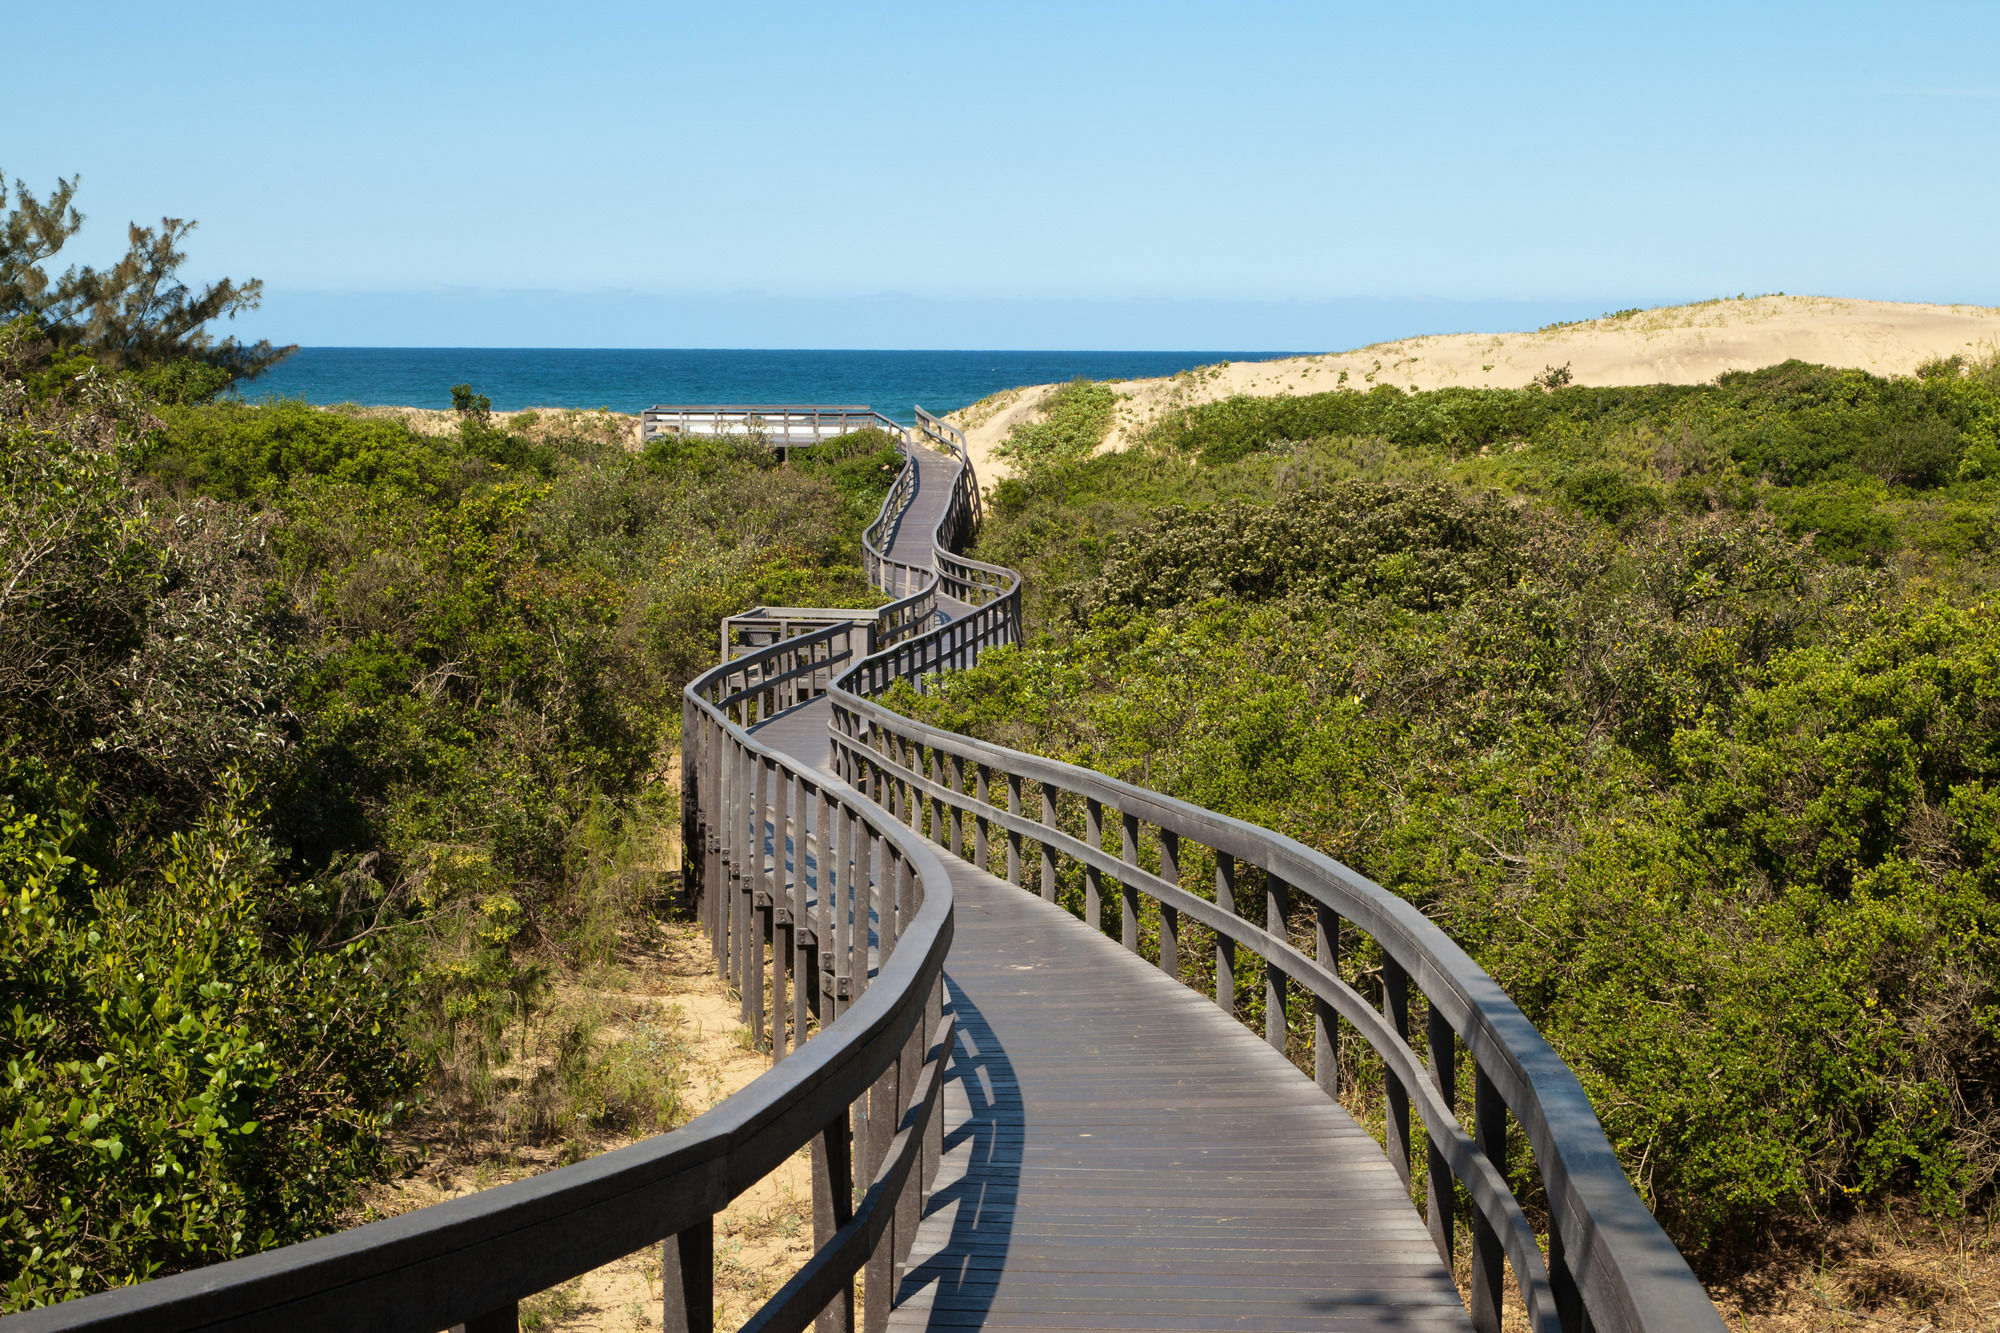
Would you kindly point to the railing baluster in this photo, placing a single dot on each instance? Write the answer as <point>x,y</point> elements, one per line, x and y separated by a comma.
<point>1048,851</point>
<point>822,911</point>
<point>864,893</point>
<point>1225,948</point>
<point>836,964</point>
<point>981,853</point>
<point>955,778</point>
<point>934,769</point>
<point>1170,917</point>
<point>1441,1196</point>
<point>1396,1008</point>
<point>1489,1136</point>
<point>1013,836</point>
<point>1128,892</point>
<point>1093,878</point>
<point>1326,1022</point>
<point>761,904</point>
<point>833,1205</point>
<point>1277,908</point>
<point>781,910</point>
<point>687,1279</point>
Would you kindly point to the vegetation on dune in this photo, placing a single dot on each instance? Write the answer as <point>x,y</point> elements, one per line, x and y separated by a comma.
<point>1679,708</point>
<point>1071,423</point>
<point>328,745</point>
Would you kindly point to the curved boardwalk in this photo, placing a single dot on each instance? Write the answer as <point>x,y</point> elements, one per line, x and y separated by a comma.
<point>1118,1153</point>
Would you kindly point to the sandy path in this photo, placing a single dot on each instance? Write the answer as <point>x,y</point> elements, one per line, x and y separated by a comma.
<point>1689,344</point>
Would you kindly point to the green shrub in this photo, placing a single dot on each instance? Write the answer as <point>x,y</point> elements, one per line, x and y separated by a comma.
<point>1707,787</point>
<point>1074,420</point>
<point>183,1084</point>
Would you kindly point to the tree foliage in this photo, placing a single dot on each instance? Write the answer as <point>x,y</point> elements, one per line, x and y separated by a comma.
<point>136,315</point>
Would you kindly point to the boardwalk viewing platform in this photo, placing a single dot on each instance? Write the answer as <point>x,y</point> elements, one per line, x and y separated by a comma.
<point>1025,1117</point>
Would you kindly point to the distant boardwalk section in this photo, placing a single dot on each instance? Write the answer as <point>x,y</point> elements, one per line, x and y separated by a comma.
<point>785,425</point>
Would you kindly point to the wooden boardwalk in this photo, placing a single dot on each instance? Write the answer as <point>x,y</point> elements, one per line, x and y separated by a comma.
<point>1121,1155</point>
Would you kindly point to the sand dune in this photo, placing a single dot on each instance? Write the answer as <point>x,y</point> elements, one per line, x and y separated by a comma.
<point>1689,344</point>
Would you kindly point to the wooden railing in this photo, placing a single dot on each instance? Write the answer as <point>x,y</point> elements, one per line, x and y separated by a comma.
<point>1270,905</point>
<point>782,425</point>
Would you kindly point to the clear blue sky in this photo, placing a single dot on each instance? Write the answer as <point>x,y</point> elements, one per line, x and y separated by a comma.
<point>1216,175</point>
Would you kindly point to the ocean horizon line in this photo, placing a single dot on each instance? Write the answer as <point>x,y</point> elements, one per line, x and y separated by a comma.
<point>895,381</point>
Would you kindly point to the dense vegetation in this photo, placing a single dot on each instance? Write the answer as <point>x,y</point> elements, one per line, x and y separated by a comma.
<point>319,735</point>
<point>1679,708</point>
<point>1069,424</point>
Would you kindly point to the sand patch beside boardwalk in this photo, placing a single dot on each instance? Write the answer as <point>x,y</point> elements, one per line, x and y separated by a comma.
<point>1689,344</point>
<point>761,1239</point>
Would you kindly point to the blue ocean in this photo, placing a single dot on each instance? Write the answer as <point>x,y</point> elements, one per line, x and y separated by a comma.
<point>627,380</point>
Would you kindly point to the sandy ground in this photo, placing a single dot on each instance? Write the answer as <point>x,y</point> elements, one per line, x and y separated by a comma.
<point>536,423</point>
<point>1689,344</point>
<point>761,1239</point>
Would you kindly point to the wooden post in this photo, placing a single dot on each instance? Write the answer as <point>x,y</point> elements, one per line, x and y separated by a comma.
<point>955,779</point>
<point>833,1208</point>
<point>935,769</point>
<point>1093,878</point>
<point>1013,837</point>
<point>1326,1020</point>
<point>1225,948</point>
<point>980,850</point>
<point>1396,1007</point>
<point>803,942</point>
<point>1128,892</point>
<point>687,1280</point>
<point>1048,852</point>
<point>1440,1197</point>
<point>760,902</point>
<point>1489,1136</point>
<point>1170,917</point>
<point>1277,984</point>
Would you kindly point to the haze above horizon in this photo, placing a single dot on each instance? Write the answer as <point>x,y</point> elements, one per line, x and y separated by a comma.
<point>1117,176</point>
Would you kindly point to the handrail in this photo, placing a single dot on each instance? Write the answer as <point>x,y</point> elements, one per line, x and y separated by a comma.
<point>785,425</point>
<point>1608,1266</point>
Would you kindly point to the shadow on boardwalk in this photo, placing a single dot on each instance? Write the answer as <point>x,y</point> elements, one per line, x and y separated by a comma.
<point>968,1225</point>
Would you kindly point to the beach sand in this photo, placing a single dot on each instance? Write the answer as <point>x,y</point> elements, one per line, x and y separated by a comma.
<point>1689,344</point>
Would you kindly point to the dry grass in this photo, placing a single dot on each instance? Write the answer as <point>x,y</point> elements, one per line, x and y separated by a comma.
<point>659,1011</point>
<point>1882,1271</point>
<point>539,424</point>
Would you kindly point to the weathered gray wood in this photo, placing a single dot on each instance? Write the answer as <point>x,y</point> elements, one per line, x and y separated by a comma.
<point>1120,1154</point>
<point>1396,1008</point>
<point>1170,917</point>
<point>1225,947</point>
<point>1048,852</point>
<point>1441,1197</point>
<point>1093,878</point>
<point>1489,1131</point>
<point>1277,902</point>
<point>1128,891</point>
<point>1326,1020</point>
<point>1014,834</point>
<point>687,1280</point>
